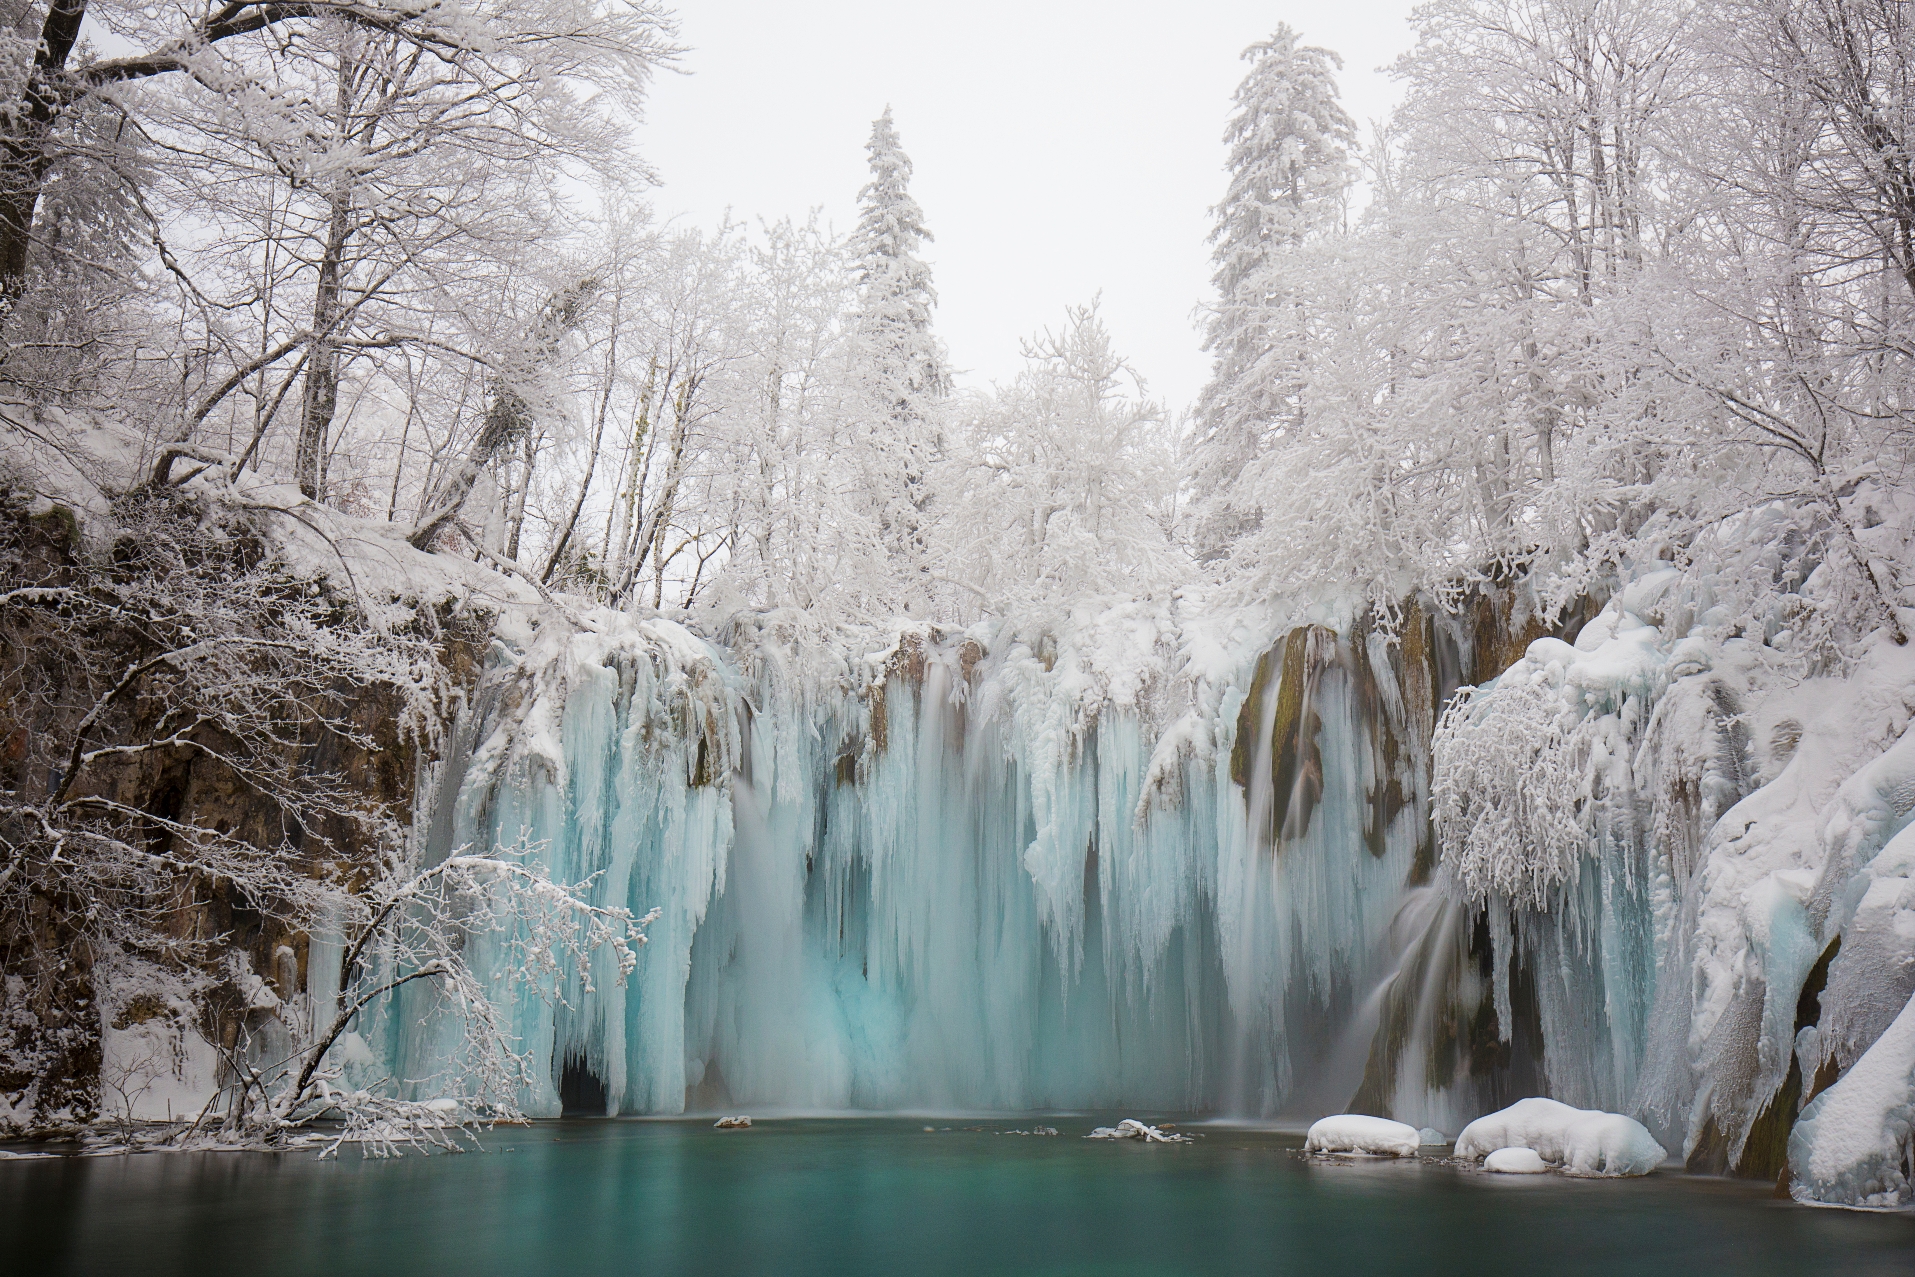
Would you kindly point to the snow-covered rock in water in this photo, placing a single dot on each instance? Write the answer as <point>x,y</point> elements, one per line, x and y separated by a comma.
<point>1430,1135</point>
<point>1132,1129</point>
<point>1854,1144</point>
<point>1516,1161</point>
<point>1581,1141</point>
<point>1355,1133</point>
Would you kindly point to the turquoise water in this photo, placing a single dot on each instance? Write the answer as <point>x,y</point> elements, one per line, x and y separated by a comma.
<point>855,1196</point>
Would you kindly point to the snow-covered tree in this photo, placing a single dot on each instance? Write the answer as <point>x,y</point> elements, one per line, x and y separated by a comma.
<point>1076,489</point>
<point>1290,164</point>
<point>1470,388</point>
<point>901,365</point>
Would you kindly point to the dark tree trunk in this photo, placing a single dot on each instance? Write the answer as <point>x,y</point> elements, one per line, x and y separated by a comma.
<point>320,398</point>
<point>24,156</point>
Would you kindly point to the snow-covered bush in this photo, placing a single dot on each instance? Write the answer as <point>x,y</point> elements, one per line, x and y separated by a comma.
<point>1521,766</point>
<point>549,936</point>
<point>1507,790</point>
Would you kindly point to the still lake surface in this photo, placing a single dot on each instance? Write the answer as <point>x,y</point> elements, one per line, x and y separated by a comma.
<point>881,1195</point>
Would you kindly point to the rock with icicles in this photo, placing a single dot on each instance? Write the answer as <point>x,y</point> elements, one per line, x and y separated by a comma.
<point>1132,1129</point>
<point>1356,1133</point>
<point>1584,1142</point>
<point>732,1123</point>
<point>1855,1142</point>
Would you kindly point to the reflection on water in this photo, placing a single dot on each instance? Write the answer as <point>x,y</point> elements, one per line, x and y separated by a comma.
<point>854,1196</point>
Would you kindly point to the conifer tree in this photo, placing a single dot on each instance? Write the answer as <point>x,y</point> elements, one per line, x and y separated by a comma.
<point>902,366</point>
<point>1290,166</point>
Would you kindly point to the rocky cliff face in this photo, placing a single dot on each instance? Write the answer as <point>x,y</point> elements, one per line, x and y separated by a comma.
<point>85,632</point>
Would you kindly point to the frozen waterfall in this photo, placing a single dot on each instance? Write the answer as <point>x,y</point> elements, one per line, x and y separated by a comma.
<point>961,873</point>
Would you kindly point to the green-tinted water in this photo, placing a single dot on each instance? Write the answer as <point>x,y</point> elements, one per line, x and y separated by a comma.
<point>853,1196</point>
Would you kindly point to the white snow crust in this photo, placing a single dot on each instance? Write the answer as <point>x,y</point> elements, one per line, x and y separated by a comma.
<point>1580,1141</point>
<point>1516,1161</point>
<point>1355,1133</point>
<point>154,1063</point>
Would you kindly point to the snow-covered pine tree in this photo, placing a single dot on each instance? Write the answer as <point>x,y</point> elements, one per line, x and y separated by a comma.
<point>1290,167</point>
<point>901,365</point>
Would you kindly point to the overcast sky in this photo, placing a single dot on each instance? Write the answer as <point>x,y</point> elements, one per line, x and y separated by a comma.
<point>1061,147</point>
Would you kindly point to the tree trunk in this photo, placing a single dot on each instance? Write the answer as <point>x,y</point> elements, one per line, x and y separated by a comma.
<point>507,417</point>
<point>529,456</point>
<point>24,158</point>
<point>564,537</point>
<point>320,398</point>
<point>619,539</point>
<point>650,540</point>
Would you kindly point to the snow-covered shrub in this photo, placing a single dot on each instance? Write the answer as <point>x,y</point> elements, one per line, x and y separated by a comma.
<point>1507,789</point>
<point>542,937</point>
<point>1523,766</point>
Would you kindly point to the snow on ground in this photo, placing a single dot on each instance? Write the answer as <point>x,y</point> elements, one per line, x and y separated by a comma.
<point>1581,1141</point>
<point>1786,869</point>
<point>81,461</point>
<point>1355,1133</point>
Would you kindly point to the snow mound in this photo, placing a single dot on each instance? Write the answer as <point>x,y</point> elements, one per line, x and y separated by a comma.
<point>1430,1135</point>
<point>1355,1133</point>
<point>1516,1161</point>
<point>1132,1129</point>
<point>1853,1144</point>
<point>1581,1141</point>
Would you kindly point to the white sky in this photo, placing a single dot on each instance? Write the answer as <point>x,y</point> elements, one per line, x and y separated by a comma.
<point>1061,146</point>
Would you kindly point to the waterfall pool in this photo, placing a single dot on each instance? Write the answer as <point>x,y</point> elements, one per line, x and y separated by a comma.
<point>883,1195</point>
